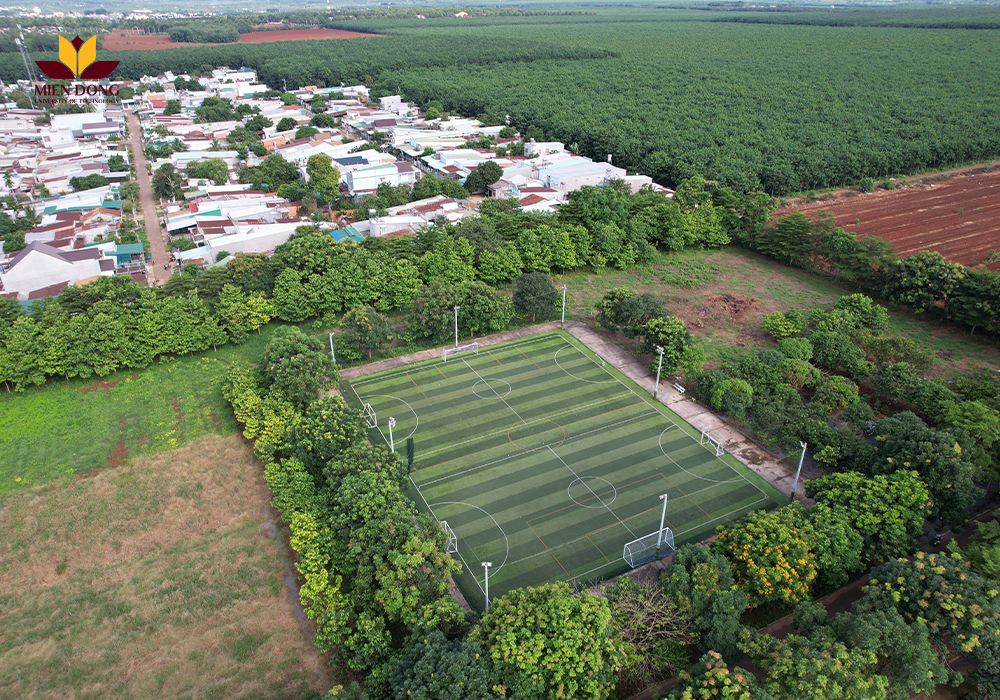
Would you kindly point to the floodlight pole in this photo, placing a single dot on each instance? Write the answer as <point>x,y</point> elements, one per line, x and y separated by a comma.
<point>562,321</point>
<point>798,471</point>
<point>659,366</point>
<point>392,445</point>
<point>486,568</point>
<point>663,517</point>
<point>456,326</point>
<point>332,356</point>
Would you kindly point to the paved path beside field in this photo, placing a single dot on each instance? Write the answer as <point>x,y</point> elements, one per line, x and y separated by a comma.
<point>736,443</point>
<point>158,238</point>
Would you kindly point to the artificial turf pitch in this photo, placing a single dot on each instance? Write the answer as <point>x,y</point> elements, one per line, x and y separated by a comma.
<point>546,461</point>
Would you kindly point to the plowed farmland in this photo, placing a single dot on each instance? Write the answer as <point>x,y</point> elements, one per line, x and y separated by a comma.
<point>958,217</point>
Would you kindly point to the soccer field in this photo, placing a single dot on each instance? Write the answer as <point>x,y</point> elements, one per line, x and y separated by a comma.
<point>546,461</point>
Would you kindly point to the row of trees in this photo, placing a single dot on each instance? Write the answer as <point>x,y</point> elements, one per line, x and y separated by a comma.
<point>924,282</point>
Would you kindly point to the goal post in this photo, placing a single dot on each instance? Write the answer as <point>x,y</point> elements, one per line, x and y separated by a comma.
<point>646,549</point>
<point>451,544</point>
<point>711,443</point>
<point>370,419</point>
<point>470,348</point>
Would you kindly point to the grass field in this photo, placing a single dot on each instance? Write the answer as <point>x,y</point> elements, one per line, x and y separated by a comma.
<point>159,579</point>
<point>67,428</point>
<point>723,296</point>
<point>546,462</point>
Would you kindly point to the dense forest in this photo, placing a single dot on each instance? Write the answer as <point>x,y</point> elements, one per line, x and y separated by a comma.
<point>777,107</point>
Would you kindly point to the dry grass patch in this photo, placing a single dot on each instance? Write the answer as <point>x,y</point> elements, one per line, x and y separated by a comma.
<point>157,579</point>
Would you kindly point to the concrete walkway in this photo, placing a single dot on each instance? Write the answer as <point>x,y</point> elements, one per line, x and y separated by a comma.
<point>158,238</point>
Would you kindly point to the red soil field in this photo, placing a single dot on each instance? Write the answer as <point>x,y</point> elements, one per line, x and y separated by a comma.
<point>958,217</point>
<point>118,41</point>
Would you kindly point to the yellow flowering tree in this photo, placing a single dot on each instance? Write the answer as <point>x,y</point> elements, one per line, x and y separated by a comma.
<point>771,554</point>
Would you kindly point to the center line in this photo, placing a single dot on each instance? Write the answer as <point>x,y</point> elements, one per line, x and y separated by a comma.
<point>495,392</point>
<point>591,491</point>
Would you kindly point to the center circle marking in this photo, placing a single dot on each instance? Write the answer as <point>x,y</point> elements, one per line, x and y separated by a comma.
<point>491,388</point>
<point>595,493</point>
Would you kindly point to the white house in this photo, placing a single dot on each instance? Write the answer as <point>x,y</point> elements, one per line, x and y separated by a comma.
<point>366,180</point>
<point>42,268</point>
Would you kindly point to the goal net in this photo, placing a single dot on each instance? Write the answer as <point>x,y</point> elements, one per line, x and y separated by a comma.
<point>451,545</point>
<point>646,549</point>
<point>712,444</point>
<point>370,420</point>
<point>448,352</point>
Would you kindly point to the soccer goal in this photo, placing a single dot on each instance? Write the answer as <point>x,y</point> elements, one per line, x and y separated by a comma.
<point>451,545</point>
<point>712,444</point>
<point>448,352</point>
<point>370,419</point>
<point>646,549</point>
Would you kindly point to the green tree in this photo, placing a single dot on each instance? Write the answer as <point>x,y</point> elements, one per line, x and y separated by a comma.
<point>173,107</point>
<point>888,510</point>
<point>166,181</point>
<point>289,98</point>
<point>296,365</point>
<point>547,643</point>
<point>710,678</point>
<point>327,428</point>
<point>535,295</point>
<point>366,330</point>
<point>500,265</point>
<point>893,381</point>
<point>87,182</point>
<point>817,669</point>
<point>701,581</point>
<point>441,669</point>
<point>290,297</point>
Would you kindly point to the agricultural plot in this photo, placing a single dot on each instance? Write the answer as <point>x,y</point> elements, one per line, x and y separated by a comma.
<point>546,462</point>
<point>956,217</point>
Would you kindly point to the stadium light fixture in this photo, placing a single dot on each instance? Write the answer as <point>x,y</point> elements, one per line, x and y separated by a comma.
<point>392,423</point>
<point>798,471</point>
<point>562,322</point>
<point>659,366</point>
<point>456,326</point>
<point>486,568</point>
<point>332,356</point>
<point>663,517</point>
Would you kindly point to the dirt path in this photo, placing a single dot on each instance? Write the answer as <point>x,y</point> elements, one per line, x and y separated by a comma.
<point>158,238</point>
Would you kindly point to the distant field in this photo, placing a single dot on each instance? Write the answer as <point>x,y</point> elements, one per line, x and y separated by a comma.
<point>956,217</point>
<point>546,462</point>
<point>120,41</point>
<point>723,296</point>
<point>159,579</point>
<point>64,429</point>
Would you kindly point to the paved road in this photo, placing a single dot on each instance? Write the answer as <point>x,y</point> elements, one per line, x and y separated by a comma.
<point>157,236</point>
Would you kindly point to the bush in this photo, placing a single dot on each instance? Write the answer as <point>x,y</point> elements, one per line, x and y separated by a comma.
<point>780,326</point>
<point>796,348</point>
<point>836,393</point>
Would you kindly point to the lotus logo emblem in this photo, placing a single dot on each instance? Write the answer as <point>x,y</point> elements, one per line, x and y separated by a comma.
<point>77,59</point>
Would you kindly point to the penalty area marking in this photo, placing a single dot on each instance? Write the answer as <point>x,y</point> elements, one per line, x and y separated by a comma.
<point>506,540</point>
<point>739,477</point>
<point>416,418</point>
<point>589,381</point>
